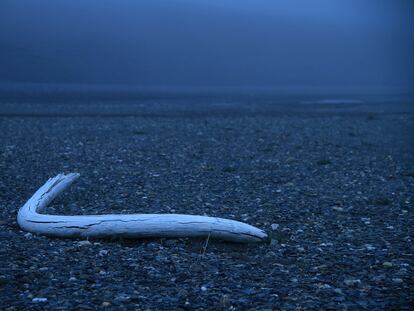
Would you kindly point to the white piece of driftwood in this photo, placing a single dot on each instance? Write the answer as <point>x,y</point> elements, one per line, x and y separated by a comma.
<point>125,225</point>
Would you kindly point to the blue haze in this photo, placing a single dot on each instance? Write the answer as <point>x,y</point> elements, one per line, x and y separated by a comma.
<point>347,46</point>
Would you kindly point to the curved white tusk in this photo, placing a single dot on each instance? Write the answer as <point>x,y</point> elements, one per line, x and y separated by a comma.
<point>125,225</point>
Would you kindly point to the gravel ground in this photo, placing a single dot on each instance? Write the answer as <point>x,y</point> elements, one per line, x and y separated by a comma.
<point>333,185</point>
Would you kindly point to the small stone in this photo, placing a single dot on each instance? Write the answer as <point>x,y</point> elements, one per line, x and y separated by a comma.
<point>203,288</point>
<point>378,278</point>
<point>84,243</point>
<point>397,280</point>
<point>123,298</point>
<point>28,235</point>
<point>370,247</point>
<point>72,279</point>
<point>103,252</point>
<point>274,226</point>
<point>269,255</point>
<point>337,208</point>
<point>39,300</point>
<point>366,220</point>
<point>352,282</point>
<point>387,264</point>
<point>106,304</point>
<point>338,291</point>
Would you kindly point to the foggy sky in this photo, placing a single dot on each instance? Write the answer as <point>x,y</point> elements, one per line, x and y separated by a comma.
<point>209,43</point>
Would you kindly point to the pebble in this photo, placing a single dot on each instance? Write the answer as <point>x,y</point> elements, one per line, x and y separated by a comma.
<point>39,300</point>
<point>123,298</point>
<point>370,247</point>
<point>397,280</point>
<point>274,226</point>
<point>352,282</point>
<point>84,243</point>
<point>103,252</point>
<point>325,286</point>
<point>387,264</point>
<point>366,220</point>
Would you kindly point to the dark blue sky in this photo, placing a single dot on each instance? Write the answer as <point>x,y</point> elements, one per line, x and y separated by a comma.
<point>349,44</point>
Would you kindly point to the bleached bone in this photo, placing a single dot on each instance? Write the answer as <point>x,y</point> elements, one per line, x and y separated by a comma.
<point>125,225</point>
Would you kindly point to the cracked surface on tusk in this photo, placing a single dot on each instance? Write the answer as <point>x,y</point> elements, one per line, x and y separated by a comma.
<point>125,225</point>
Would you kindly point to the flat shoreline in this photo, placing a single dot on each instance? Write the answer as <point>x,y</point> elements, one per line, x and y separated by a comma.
<point>336,181</point>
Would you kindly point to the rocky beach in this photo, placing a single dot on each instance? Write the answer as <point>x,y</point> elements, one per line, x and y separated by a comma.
<point>331,183</point>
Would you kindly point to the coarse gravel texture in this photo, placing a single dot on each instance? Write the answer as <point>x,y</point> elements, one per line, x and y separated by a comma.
<point>333,185</point>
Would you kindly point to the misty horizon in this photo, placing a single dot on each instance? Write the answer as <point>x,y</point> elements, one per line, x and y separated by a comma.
<point>288,46</point>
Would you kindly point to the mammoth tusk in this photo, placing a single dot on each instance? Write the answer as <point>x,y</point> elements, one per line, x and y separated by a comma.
<point>125,225</point>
